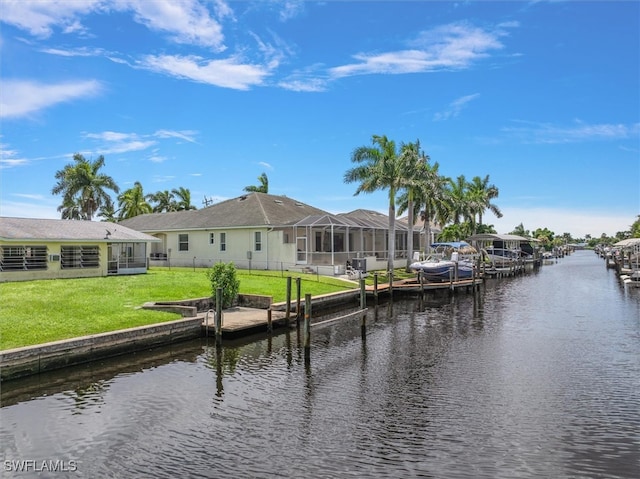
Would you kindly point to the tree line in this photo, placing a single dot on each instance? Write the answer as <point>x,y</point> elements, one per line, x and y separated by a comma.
<point>415,186</point>
<point>85,194</point>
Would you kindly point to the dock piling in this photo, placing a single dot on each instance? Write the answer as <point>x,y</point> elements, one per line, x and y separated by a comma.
<point>307,328</point>
<point>218,315</point>
<point>288,314</point>
<point>375,287</point>
<point>298,301</point>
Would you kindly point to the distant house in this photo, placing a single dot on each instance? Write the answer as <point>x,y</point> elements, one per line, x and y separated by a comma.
<point>263,231</point>
<point>48,249</point>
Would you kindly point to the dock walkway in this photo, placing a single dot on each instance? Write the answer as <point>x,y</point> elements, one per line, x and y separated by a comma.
<point>243,321</point>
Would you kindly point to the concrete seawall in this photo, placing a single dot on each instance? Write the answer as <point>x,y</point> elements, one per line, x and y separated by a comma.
<point>29,360</point>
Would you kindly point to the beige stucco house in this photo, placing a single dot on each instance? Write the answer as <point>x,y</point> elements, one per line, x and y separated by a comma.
<point>263,231</point>
<point>49,249</point>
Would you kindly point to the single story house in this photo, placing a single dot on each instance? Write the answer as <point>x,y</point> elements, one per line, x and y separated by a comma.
<point>49,249</point>
<point>263,231</point>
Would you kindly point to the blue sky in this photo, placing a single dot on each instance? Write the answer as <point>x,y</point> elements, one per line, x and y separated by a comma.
<point>205,94</point>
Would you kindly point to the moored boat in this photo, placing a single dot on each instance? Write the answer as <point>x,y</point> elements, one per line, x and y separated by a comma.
<point>447,263</point>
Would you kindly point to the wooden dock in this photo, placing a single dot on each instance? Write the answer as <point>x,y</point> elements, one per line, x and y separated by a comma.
<point>242,321</point>
<point>414,285</point>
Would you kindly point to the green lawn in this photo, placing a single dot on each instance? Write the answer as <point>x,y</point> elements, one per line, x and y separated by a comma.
<point>34,312</point>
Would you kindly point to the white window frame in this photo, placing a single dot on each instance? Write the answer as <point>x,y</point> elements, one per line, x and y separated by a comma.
<point>257,241</point>
<point>182,242</point>
<point>223,241</point>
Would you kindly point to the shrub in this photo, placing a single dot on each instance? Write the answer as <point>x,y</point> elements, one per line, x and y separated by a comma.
<point>223,275</point>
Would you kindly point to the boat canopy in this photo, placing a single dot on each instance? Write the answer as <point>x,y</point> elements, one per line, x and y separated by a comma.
<point>497,237</point>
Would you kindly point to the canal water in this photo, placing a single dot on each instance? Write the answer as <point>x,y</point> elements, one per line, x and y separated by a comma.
<point>536,376</point>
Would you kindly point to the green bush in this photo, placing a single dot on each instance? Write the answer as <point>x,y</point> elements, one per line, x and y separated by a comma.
<point>223,275</point>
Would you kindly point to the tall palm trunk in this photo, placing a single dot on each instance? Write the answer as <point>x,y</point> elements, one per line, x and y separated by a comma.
<point>410,237</point>
<point>392,229</point>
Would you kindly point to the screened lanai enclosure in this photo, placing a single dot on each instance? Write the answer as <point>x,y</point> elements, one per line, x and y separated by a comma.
<point>359,238</point>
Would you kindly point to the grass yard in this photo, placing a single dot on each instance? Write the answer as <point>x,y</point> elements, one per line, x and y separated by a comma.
<point>35,312</point>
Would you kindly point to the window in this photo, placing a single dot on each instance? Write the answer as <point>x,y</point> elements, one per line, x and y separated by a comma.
<point>257,241</point>
<point>77,257</point>
<point>212,238</point>
<point>285,238</point>
<point>223,241</point>
<point>23,258</point>
<point>183,242</point>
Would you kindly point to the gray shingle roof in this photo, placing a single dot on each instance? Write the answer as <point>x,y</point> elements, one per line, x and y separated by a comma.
<point>21,229</point>
<point>250,210</point>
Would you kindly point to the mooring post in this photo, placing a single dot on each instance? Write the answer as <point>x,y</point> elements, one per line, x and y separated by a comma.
<point>421,279</point>
<point>391,284</point>
<point>307,327</point>
<point>451,279</point>
<point>375,287</point>
<point>219,315</point>
<point>288,314</point>
<point>269,321</point>
<point>298,301</point>
<point>363,307</point>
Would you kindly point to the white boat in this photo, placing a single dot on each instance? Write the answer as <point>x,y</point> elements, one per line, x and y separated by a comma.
<point>437,267</point>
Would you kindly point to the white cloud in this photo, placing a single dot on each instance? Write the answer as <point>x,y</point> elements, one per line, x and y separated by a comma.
<point>119,142</point>
<point>187,21</point>
<point>226,73</point>
<point>186,135</point>
<point>39,17</point>
<point>22,98</point>
<point>549,133</point>
<point>291,9</point>
<point>455,107</point>
<point>265,164</point>
<point>452,46</point>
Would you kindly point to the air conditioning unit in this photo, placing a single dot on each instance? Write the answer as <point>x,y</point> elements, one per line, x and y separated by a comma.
<point>54,257</point>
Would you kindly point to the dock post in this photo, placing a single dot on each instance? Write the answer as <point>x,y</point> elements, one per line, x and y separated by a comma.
<point>288,314</point>
<point>307,328</point>
<point>421,279</point>
<point>218,315</point>
<point>375,287</point>
<point>363,306</point>
<point>391,284</point>
<point>269,321</point>
<point>298,301</point>
<point>451,279</point>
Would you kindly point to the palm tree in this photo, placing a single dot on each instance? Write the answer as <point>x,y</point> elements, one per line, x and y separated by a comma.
<point>132,202</point>
<point>82,184</point>
<point>379,167</point>
<point>431,198</point>
<point>164,201</point>
<point>461,206</point>
<point>108,213</point>
<point>414,172</point>
<point>184,199</point>
<point>263,188</point>
<point>480,194</point>
<point>71,210</point>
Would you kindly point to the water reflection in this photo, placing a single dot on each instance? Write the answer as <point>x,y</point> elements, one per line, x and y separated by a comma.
<point>535,376</point>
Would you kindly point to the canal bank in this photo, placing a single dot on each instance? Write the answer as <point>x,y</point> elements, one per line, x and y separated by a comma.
<point>255,314</point>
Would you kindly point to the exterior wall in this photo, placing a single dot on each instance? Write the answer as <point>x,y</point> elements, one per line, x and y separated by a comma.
<point>54,270</point>
<point>240,249</point>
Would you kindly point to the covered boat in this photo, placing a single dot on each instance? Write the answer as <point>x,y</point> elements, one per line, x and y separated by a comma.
<point>447,263</point>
